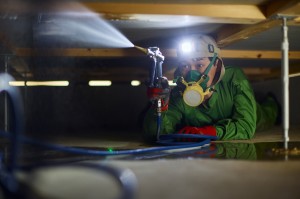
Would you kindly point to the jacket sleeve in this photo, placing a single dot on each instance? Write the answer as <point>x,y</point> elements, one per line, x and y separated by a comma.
<point>242,123</point>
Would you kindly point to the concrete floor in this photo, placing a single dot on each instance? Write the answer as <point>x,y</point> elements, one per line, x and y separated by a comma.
<point>180,178</point>
<point>245,174</point>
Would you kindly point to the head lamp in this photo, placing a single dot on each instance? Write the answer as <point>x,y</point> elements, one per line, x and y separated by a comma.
<point>186,47</point>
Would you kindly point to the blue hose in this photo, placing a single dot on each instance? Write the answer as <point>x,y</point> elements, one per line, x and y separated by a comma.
<point>174,139</point>
<point>166,140</point>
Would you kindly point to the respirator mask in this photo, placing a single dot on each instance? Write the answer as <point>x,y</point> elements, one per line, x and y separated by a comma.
<point>195,85</point>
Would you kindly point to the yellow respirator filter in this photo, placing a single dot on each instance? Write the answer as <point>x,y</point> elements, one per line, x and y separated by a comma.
<point>194,95</point>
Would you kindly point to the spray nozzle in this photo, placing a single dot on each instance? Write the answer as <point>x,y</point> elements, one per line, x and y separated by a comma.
<point>153,52</point>
<point>144,50</point>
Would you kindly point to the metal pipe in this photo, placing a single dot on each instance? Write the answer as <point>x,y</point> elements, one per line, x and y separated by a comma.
<point>159,68</point>
<point>6,120</point>
<point>152,72</point>
<point>17,111</point>
<point>159,75</point>
<point>285,81</point>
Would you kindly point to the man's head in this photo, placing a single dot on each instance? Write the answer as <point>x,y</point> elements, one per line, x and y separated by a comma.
<point>200,53</point>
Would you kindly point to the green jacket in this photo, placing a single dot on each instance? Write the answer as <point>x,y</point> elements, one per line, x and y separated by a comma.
<point>231,110</point>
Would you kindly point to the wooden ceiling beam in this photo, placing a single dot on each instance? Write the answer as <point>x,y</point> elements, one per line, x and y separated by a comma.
<point>79,52</point>
<point>294,71</point>
<point>229,34</point>
<point>256,54</point>
<point>221,13</point>
<point>129,73</point>
<point>132,52</point>
<point>217,13</point>
<point>287,7</point>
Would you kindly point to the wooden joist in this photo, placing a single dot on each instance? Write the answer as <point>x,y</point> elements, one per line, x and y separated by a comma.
<point>229,34</point>
<point>287,7</point>
<point>132,52</point>
<point>221,13</point>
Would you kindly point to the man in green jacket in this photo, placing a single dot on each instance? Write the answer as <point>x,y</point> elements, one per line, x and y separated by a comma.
<point>207,100</point>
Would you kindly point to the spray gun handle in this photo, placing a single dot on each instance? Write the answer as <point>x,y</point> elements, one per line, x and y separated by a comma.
<point>156,68</point>
<point>155,53</point>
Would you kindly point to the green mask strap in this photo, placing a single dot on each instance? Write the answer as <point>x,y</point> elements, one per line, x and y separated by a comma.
<point>210,64</point>
<point>203,84</point>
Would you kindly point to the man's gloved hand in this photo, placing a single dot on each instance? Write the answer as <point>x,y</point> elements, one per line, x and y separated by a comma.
<point>162,93</point>
<point>206,130</point>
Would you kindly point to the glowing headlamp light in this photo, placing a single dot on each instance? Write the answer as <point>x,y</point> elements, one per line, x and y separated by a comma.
<point>186,47</point>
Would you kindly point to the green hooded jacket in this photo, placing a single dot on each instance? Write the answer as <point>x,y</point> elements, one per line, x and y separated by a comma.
<point>232,110</point>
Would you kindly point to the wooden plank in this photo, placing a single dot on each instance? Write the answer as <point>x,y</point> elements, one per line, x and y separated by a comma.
<point>128,73</point>
<point>254,54</point>
<point>229,34</point>
<point>132,52</point>
<point>287,7</point>
<point>294,22</point>
<point>257,71</point>
<point>294,71</point>
<point>217,13</point>
<point>79,52</point>
<point>246,14</point>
